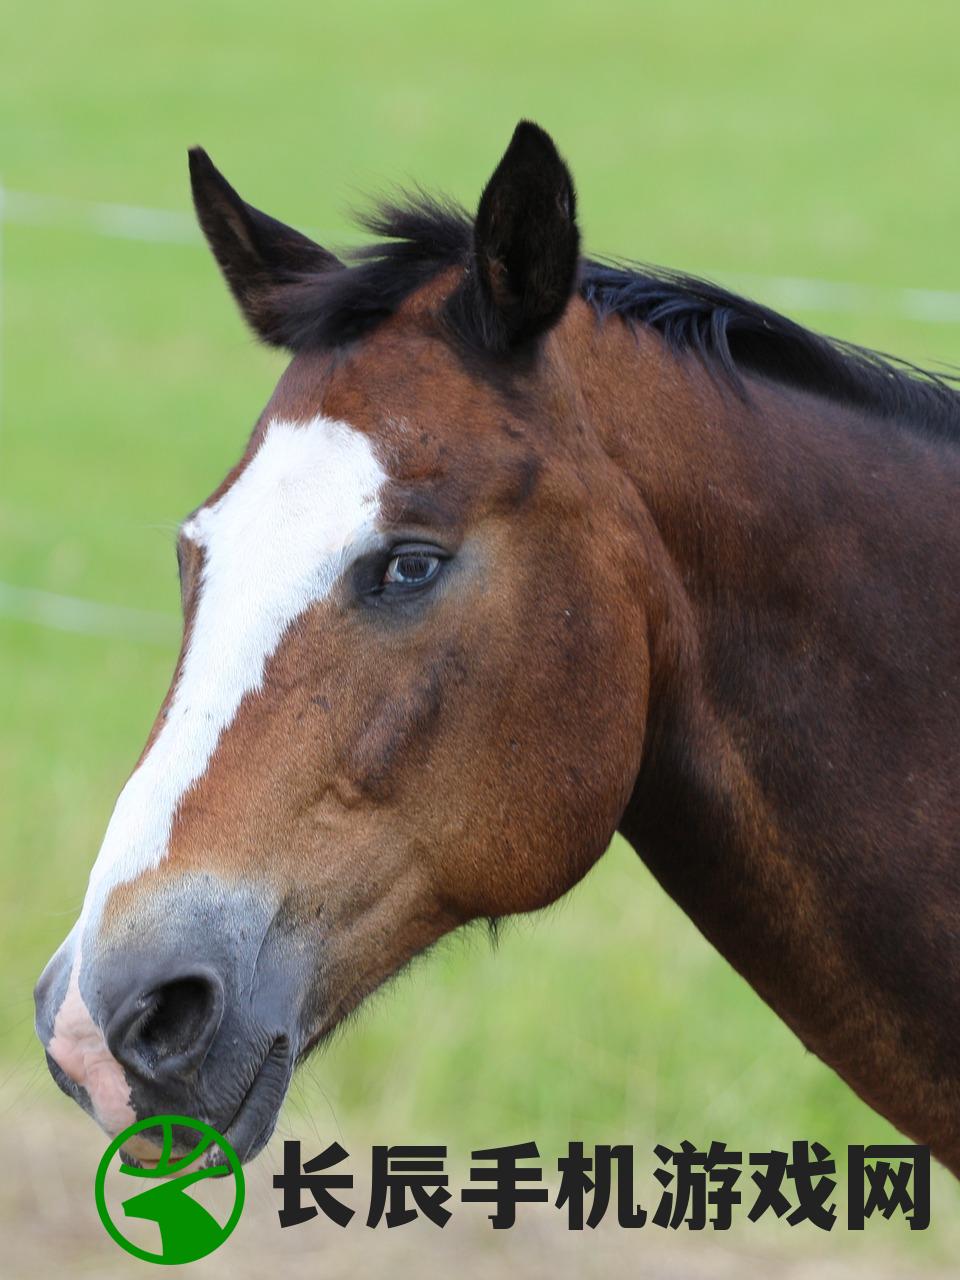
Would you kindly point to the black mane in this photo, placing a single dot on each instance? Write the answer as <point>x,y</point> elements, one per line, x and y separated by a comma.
<point>421,235</point>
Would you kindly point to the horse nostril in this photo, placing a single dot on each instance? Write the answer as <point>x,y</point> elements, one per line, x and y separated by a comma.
<point>168,1028</point>
<point>175,1018</point>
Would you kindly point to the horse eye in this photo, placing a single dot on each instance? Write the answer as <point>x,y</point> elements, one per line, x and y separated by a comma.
<point>411,569</point>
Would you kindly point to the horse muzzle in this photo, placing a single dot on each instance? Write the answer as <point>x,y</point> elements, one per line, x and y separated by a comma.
<point>198,1018</point>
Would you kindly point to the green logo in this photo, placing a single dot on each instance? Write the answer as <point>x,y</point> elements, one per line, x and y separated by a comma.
<point>187,1230</point>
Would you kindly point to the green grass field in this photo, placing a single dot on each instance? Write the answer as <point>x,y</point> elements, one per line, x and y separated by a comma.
<point>746,140</point>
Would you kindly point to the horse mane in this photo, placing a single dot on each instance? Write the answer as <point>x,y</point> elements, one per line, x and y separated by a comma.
<point>420,235</point>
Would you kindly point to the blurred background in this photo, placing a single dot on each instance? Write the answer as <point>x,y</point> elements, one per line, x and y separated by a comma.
<point>803,154</point>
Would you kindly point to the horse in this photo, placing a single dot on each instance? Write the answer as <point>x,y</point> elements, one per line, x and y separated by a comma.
<point>525,549</point>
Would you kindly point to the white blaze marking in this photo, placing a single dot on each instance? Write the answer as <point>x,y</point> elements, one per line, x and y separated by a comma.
<point>273,545</point>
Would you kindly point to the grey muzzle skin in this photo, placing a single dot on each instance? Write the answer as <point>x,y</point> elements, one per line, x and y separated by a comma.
<point>201,1008</point>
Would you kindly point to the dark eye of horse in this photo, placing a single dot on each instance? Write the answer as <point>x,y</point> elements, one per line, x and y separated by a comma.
<point>411,569</point>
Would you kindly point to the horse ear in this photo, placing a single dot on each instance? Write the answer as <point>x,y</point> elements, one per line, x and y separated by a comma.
<point>256,253</point>
<point>526,242</point>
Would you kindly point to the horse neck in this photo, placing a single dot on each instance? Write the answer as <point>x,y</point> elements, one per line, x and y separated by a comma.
<point>797,621</point>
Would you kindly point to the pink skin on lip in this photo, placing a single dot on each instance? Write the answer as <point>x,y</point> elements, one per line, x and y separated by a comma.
<point>148,1153</point>
<point>78,1048</point>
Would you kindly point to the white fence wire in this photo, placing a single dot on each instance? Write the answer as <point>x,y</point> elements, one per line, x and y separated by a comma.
<point>167,226</point>
<point>86,617</point>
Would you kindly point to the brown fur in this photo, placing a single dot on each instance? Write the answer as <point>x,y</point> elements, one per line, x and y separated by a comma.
<point>626,540</point>
<point>725,625</point>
